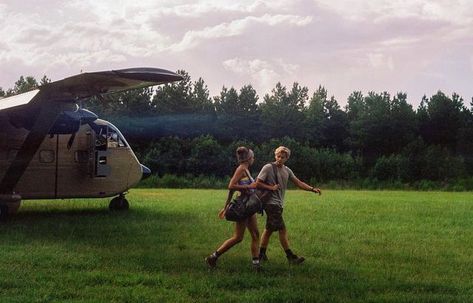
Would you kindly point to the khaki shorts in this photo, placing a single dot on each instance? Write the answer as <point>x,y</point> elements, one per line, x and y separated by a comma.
<point>274,220</point>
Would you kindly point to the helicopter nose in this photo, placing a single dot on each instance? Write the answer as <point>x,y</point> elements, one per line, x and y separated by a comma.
<point>146,172</point>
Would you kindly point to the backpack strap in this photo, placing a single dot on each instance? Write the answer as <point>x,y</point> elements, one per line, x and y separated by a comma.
<point>275,172</point>
<point>229,197</point>
<point>249,175</point>
<point>231,191</point>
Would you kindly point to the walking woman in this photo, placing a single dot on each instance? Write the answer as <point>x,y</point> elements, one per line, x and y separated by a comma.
<point>244,183</point>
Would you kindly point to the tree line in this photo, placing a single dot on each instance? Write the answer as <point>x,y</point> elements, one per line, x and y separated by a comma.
<point>180,129</point>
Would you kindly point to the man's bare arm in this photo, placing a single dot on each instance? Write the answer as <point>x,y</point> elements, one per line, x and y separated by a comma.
<point>305,186</point>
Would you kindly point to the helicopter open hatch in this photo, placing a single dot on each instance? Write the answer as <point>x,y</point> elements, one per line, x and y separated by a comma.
<point>107,137</point>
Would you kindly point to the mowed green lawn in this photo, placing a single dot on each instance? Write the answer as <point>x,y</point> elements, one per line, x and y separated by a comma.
<point>360,246</point>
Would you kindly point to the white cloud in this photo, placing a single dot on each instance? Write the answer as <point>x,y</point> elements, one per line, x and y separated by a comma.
<point>378,60</point>
<point>264,74</point>
<point>399,42</point>
<point>201,8</point>
<point>287,67</point>
<point>110,9</point>
<point>343,44</point>
<point>37,42</point>
<point>456,12</point>
<point>3,9</point>
<point>237,27</point>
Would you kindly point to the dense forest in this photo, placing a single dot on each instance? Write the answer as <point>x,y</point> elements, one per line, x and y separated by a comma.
<point>376,140</point>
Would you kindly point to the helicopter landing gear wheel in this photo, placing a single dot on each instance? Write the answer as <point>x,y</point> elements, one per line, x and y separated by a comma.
<point>119,203</point>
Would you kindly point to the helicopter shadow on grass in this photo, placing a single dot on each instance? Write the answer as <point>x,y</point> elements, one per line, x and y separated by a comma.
<point>95,227</point>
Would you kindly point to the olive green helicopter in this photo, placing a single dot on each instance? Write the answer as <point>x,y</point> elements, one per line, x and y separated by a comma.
<point>50,148</point>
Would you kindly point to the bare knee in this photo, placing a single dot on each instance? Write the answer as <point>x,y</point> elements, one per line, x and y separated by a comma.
<point>267,233</point>
<point>238,238</point>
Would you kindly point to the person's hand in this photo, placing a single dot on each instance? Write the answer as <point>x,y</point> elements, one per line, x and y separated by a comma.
<point>317,190</point>
<point>221,213</point>
<point>252,185</point>
<point>274,187</point>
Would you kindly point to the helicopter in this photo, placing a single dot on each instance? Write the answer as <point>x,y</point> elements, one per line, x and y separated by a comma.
<point>52,148</point>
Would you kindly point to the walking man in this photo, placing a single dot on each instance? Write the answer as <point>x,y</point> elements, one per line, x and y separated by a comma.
<point>274,206</point>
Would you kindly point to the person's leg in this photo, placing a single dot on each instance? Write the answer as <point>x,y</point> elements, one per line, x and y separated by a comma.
<point>264,244</point>
<point>271,226</point>
<point>291,257</point>
<point>283,238</point>
<point>235,239</point>
<point>265,237</point>
<point>252,225</point>
<point>229,243</point>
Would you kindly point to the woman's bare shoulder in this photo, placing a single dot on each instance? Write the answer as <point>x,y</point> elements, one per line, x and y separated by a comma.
<point>239,170</point>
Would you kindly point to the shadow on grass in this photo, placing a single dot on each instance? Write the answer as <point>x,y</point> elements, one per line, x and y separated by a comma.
<point>158,248</point>
<point>165,249</point>
<point>95,227</point>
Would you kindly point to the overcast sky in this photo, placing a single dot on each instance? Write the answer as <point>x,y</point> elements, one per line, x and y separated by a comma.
<point>413,46</point>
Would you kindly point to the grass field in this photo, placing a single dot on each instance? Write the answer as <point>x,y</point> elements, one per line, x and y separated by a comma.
<point>360,246</point>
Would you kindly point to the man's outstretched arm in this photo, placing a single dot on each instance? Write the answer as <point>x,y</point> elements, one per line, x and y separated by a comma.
<point>305,186</point>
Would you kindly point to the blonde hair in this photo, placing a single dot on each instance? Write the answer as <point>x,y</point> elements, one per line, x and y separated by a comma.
<point>283,149</point>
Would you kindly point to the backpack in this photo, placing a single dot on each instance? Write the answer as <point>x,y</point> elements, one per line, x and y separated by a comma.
<point>246,205</point>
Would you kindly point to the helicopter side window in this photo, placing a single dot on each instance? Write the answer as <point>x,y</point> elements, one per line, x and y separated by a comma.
<point>101,138</point>
<point>114,139</point>
<point>108,137</point>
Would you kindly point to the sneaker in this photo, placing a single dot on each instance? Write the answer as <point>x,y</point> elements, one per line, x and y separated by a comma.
<point>263,257</point>
<point>295,260</point>
<point>211,261</point>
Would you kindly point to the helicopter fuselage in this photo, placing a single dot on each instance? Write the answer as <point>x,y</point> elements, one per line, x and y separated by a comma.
<point>89,163</point>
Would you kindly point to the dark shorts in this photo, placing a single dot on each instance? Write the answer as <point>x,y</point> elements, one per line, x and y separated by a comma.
<point>274,220</point>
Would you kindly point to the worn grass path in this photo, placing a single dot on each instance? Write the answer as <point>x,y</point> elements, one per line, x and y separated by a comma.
<point>361,246</point>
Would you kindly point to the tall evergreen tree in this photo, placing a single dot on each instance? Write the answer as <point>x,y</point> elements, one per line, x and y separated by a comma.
<point>335,129</point>
<point>315,116</point>
<point>440,119</point>
<point>326,123</point>
<point>402,124</point>
<point>23,85</point>
<point>238,113</point>
<point>227,103</point>
<point>282,112</point>
<point>131,103</point>
<point>174,98</point>
<point>378,125</point>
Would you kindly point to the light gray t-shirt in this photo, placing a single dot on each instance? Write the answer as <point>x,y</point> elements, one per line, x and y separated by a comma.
<point>267,176</point>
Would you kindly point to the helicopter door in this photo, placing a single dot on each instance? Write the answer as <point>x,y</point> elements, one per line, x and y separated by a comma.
<point>102,169</point>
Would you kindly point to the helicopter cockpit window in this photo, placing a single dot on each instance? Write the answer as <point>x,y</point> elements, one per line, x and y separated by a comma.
<point>114,139</point>
<point>108,137</point>
<point>101,138</point>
